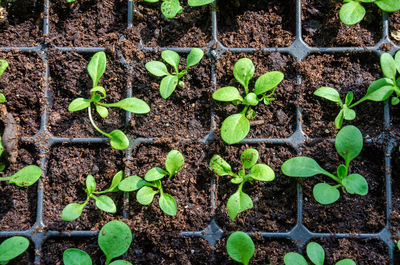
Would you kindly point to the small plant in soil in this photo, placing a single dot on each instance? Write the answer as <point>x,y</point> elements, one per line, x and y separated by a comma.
<point>3,67</point>
<point>96,68</point>
<point>73,210</point>
<point>171,8</point>
<point>240,247</point>
<point>25,177</point>
<point>151,185</point>
<point>235,128</point>
<point>353,11</point>
<point>348,143</point>
<point>12,248</point>
<point>315,253</point>
<point>171,80</point>
<point>240,201</point>
<point>114,240</point>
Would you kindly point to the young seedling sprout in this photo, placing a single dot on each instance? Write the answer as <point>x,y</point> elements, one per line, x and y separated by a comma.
<point>151,185</point>
<point>12,248</point>
<point>73,210</point>
<point>379,90</point>
<point>235,128</point>
<point>114,240</point>
<point>25,177</point>
<point>348,143</point>
<point>96,68</point>
<point>170,81</point>
<point>3,67</point>
<point>240,247</point>
<point>171,8</point>
<point>353,11</point>
<point>240,201</point>
<point>315,253</point>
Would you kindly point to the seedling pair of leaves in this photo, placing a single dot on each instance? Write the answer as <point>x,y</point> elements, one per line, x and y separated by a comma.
<point>240,201</point>
<point>240,247</point>
<point>73,210</point>
<point>348,143</point>
<point>151,184</point>
<point>96,68</point>
<point>114,240</point>
<point>171,8</point>
<point>379,90</point>
<point>315,253</point>
<point>353,11</point>
<point>171,80</point>
<point>25,177</point>
<point>12,248</point>
<point>235,128</point>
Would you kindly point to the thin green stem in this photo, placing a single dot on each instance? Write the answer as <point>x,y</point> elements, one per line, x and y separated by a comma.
<point>94,124</point>
<point>333,177</point>
<point>5,178</point>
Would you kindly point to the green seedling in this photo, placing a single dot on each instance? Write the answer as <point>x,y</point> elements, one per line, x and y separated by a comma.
<point>353,11</point>
<point>96,68</point>
<point>3,67</point>
<point>171,8</point>
<point>348,143</point>
<point>240,201</point>
<point>114,240</point>
<point>73,210</point>
<point>398,244</point>
<point>235,128</point>
<point>151,185</point>
<point>379,90</point>
<point>12,248</point>
<point>25,177</point>
<point>240,247</point>
<point>171,81</point>
<point>315,253</point>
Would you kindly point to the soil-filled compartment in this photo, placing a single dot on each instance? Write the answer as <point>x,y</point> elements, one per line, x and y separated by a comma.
<point>394,27</point>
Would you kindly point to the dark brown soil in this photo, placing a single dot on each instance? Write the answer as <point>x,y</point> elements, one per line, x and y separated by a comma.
<point>394,27</point>
<point>395,216</point>
<point>322,26</point>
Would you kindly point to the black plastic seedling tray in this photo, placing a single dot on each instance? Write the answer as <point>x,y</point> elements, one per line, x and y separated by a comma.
<point>299,234</point>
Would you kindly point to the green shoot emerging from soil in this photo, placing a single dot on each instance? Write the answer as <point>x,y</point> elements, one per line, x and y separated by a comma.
<point>114,240</point>
<point>353,11</point>
<point>315,253</point>
<point>96,68</point>
<point>12,248</point>
<point>240,201</point>
<point>151,185</point>
<point>379,90</point>
<point>73,210</point>
<point>3,67</point>
<point>240,247</point>
<point>235,128</point>
<point>171,8</point>
<point>348,143</point>
<point>25,177</point>
<point>170,81</point>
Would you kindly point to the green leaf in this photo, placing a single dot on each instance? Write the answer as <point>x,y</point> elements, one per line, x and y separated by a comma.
<point>394,101</point>
<point>235,128</point>
<point>131,183</point>
<point>170,8</point>
<point>102,111</point>
<point>168,85</point>
<point>199,2</point>
<point>379,90</point>
<point>325,193</point>
<point>220,166</point>
<point>262,172</point>
<point>355,183</point>
<point>155,173</point>
<point>168,204</point>
<point>345,262</point>
<point>133,105</point>
<point>100,89</point>
<point>349,142</point>
<point>240,247</point>
<point>115,182</point>
<point>120,262</point>
<point>90,184</point>
<point>119,140</point>
<point>3,66</point>
<point>74,256</point>
<point>329,94</point>
<point>398,244</point>
<point>114,239</point>
<point>27,176</point>
<point>249,157</point>
<point>78,104</point>
<point>12,248</point>
<point>351,13</point>
<point>339,119</point>
<point>2,98</point>
<point>72,211</point>
<point>237,203</point>
<point>349,98</point>
<point>105,203</point>
<point>388,5</point>
<point>157,68</point>
<point>194,57</point>
<point>171,57</point>
<point>341,171</point>
<point>388,66</point>
<point>397,60</point>
<point>268,81</point>
<point>348,114</point>
<point>293,258</point>
<point>301,166</point>
<point>244,71</point>
<point>174,162</point>
<point>251,99</point>
<point>97,66</point>
<point>315,253</point>
<point>227,94</point>
<point>145,195</point>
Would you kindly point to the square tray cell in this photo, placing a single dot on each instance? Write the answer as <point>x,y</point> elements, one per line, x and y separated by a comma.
<point>68,167</point>
<point>274,202</point>
<point>25,258</point>
<point>322,27</point>
<point>352,213</point>
<point>190,188</point>
<point>22,85</point>
<point>192,28</point>
<point>394,27</point>
<point>256,24</point>
<point>24,23</point>
<point>347,72</point>
<point>278,119</point>
<point>87,23</point>
<point>70,80</point>
<point>190,105</point>
<point>18,204</point>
